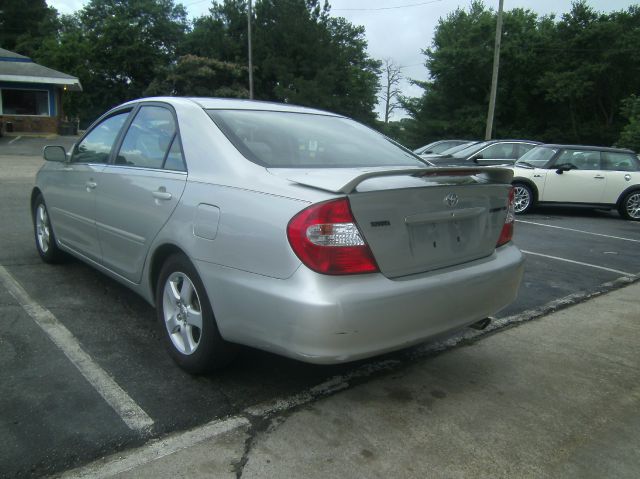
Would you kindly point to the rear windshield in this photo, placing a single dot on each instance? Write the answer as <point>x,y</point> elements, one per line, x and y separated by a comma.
<point>302,140</point>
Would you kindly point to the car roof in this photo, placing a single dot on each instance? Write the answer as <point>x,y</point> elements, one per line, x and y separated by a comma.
<point>236,104</point>
<point>511,141</point>
<point>587,147</point>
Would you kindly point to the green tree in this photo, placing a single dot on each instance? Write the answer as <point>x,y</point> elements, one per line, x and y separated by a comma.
<point>630,135</point>
<point>25,23</point>
<point>561,80</point>
<point>301,54</point>
<point>117,48</point>
<point>201,76</point>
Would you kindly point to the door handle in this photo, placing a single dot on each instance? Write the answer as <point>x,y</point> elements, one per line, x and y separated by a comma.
<point>599,177</point>
<point>90,185</point>
<point>162,194</point>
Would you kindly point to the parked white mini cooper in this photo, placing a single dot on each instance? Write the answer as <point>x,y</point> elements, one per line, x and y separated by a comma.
<point>593,176</point>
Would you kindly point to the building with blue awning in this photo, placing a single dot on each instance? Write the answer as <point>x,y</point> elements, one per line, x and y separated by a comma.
<point>31,94</point>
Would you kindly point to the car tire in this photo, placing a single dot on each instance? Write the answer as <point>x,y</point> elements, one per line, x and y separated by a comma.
<point>187,321</point>
<point>523,202</point>
<point>46,243</point>
<point>629,207</point>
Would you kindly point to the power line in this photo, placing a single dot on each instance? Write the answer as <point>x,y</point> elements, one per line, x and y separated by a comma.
<point>384,8</point>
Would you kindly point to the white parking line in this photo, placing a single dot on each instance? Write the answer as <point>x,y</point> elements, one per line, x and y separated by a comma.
<point>578,231</point>
<point>15,139</point>
<point>113,394</point>
<point>623,273</point>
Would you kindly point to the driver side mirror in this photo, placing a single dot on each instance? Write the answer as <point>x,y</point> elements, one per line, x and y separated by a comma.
<point>55,153</point>
<point>562,168</point>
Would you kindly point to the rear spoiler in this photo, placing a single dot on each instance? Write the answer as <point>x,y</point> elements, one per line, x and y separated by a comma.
<point>344,181</point>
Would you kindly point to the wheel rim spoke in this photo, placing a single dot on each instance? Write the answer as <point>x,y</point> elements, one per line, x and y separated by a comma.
<point>186,292</point>
<point>187,339</point>
<point>194,318</point>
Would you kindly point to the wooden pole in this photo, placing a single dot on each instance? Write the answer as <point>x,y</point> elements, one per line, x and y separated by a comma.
<point>250,53</point>
<point>494,77</point>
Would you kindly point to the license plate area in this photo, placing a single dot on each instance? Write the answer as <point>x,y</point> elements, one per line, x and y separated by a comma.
<point>444,238</point>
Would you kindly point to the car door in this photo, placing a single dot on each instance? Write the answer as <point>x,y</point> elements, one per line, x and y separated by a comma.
<point>583,183</point>
<point>497,154</point>
<point>139,190</point>
<point>622,170</point>
<point>71,190</point>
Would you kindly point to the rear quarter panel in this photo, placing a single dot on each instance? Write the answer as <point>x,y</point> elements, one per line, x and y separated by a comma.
<point>251,230</point>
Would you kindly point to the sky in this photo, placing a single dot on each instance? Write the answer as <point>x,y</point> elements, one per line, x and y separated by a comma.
<point>399,29</point>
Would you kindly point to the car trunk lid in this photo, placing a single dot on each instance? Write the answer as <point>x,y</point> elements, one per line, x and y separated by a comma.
<point>422,219</point>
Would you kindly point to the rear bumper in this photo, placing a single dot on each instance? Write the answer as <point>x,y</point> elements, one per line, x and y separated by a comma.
<point>332,319</point>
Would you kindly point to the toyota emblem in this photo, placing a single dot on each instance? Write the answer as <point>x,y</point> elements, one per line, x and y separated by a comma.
<point>451,200</point>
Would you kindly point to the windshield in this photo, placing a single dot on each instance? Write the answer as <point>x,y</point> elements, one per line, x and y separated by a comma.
<point>537,157</point>
<point>470,150</point>
<point>276,139</point>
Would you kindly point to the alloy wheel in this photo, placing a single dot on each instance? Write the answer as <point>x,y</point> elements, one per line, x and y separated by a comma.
<point>632,205</point>
<point>522,199</point>
<point>182,313</point>
<point>43,228</point>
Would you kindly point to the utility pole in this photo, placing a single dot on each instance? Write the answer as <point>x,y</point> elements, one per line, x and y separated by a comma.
<point>250,56</point>
<point>494,77</point>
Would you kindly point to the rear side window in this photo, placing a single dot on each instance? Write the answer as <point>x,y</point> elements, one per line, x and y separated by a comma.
<point>148,139</point>
<point>303,140</point>
<point>619,161</point>
<point>96,146</point>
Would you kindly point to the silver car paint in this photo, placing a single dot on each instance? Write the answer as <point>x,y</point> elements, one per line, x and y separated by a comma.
<point>261,294</point>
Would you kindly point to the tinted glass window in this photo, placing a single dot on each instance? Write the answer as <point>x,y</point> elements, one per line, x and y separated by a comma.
<point>499,151</point>
<point>580,159</point>
<point>25,102</point>
<point>457,148</point>
<point>470,150</point>
<point>96,146</point>
<point>522,148</point>
<point>537,157</point>
<point>174,160</point>
<point>619,161</point>
<point>301,140</point>
<point>148,139</point>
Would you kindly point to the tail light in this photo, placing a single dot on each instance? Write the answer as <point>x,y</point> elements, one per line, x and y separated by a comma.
<point>326,239</point>
<point>507,230</point>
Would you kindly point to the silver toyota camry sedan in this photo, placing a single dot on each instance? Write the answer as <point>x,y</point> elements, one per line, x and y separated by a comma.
<point>288,229</point>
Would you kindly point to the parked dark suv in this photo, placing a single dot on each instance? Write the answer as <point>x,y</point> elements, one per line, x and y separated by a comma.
<point>492,152</point>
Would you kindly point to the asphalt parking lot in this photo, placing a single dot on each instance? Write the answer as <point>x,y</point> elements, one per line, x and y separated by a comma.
<point>54,417</point>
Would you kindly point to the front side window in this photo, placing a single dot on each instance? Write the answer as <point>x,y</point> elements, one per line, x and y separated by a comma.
<point>579,159</point>
<point>619,162</point>
<point>96,146</point>
<point>148,139</point>
<point>302,140</point>
<point>25,102</point>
